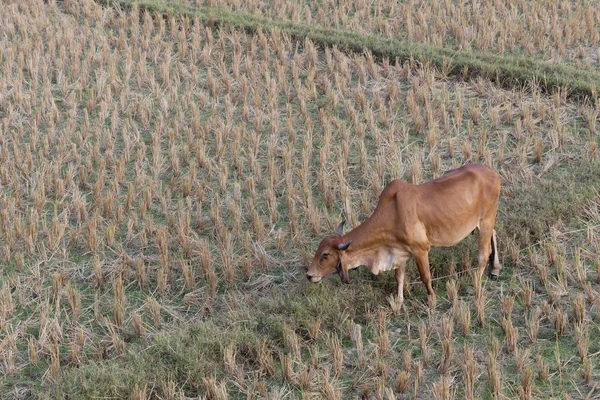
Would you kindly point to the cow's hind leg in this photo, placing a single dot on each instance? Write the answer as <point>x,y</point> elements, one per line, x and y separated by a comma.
<point>422,260</point>
<point>486,237</point>
<point>495,265</point>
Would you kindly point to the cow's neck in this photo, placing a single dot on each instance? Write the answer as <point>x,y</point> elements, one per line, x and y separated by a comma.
<point>369,239</point>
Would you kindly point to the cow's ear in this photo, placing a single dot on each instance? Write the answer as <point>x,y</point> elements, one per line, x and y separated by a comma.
<point>340,228</point>
<point>344,246</point>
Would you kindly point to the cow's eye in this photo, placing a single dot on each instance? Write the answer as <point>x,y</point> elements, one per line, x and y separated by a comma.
<point>324,255</point>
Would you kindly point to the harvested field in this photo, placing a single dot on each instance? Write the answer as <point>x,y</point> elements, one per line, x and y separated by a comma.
<point>164,184</point>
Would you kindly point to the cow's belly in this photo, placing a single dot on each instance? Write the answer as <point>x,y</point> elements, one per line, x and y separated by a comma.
<point>451,237</point>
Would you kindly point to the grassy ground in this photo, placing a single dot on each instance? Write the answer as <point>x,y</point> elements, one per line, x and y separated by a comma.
<point>284,309</point>
<point>164,185</point>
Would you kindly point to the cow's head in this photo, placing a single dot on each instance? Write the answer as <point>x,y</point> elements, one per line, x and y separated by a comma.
<point>328,258</point>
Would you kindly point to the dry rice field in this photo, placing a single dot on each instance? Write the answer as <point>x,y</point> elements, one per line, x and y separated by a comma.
<point>163,185</point>
<point>557,31</point>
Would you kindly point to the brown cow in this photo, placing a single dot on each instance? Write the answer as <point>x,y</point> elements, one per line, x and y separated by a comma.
<point>410,219</point>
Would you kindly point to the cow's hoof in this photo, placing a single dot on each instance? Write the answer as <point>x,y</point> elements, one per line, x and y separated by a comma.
<point>493,277</point>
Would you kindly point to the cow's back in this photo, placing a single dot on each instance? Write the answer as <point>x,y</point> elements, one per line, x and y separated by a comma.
<point>451,206</point>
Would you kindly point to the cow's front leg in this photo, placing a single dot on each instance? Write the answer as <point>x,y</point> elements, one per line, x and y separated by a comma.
<point>422,260</point>
<point>400,282</point>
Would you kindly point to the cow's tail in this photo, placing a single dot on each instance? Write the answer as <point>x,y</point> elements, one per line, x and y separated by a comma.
<point>493,253</point>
